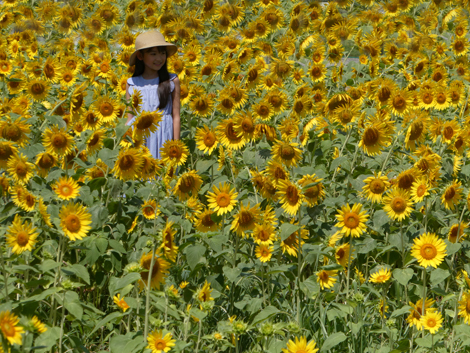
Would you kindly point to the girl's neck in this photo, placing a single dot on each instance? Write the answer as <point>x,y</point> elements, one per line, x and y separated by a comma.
<point>149,74</point>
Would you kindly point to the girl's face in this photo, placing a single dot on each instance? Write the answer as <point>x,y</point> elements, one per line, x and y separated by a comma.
<point>153,58</point>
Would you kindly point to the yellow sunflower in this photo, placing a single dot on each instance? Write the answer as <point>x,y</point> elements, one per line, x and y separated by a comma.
<point>246,219</point>
<point>188,184</point>
<point>300,345</point>
<point>228,136</point>
<point>43,212</point>
<point>263,234</point>
<point>159,270</point>
<point>452,195</point>
<point>313,189</point>
<point>150,209</point>
<point>464,307</point>
<point>7,150</point>
<point>286,153</point>
<point>9,327</point>
<point>26,201</point>
<point>204,294</point>
<point>264,252</point>
<point>75,221</point>
<point>120,302</point>
<point>15,131</point>
<point>290,196</point>
<point>429,250</point>
<point>106,108</point>
<point>420,189</point>
<point>159,343</point>
<point>57,141</point>
<point>374,138</point>
<point>129,164</point>
<point>205,223</point>
<point>37,89</point>
<point>202,105</point>
<point>327,278</point>
<point>456,232</point>
<point>397,204</point>
<point>381,276</point>
<point>38,326</point>
<point>352,220</point>
<point>174,152</point>
<point>432,321</point>
<point>222,199</point>
<point>342,255</point>
<point>291,243</point>
<point>21,237</point>
<point>416,311</point>
<point>168,246</point>
<point>66,188</point>
<point>146,123</point>
<point>20,169</point>
<point>375,186</point>
<point>244,126</point>
<point>206,139</point>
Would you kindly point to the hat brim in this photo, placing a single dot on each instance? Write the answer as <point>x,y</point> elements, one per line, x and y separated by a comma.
<point>171,49</point>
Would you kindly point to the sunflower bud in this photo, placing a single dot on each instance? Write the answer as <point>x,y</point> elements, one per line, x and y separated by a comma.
<point>293,327</point>
<point>267,329</point>
<point>239,327</point>
<point>133,267</point>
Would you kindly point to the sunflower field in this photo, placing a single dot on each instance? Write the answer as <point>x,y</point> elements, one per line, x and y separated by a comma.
<point>318,199</point>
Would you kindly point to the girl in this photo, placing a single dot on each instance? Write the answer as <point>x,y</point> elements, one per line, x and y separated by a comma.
<point>160,90</point>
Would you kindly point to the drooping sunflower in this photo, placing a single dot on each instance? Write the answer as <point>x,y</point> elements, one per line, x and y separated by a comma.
<point>381,276</point>
<point>57,141</point>
<point>342,254</point>
<point>290,196</point>
<point>174,152</point>
<point>313,189</point>
<point>204,294</point>
<point>159,270</point>
<point>188,184</point>
<point>374,138</point>
<point>129,164</point>
<point>375,186</point>
<point>397,204</point>
<point>15,131</point>
<point>66,188</point>
<point>246,219</point>
<point>456,233</point>
<point>416,311</point>
<point>464,307</point>
<point>327,278</point>
<point>222,199</point>
<point>429,250</point>
<point>19,168</point>
<point>21,237</point>
<point>352,220</point>
<point>286,153</point>
<point>75,221</point>
<point>170,250</point>
<point>228,136</point>
<point>452,195</point>
<point>7,150</point>
<point>150,209</point>
<point>146,123</point>
<point>10,328</point>
<point>205,223</point>
<point>432,321</point>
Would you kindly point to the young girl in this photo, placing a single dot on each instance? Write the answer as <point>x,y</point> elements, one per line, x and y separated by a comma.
<point>160,90</point>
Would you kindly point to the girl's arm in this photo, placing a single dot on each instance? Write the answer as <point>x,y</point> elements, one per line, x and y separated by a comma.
<point>175,95</point>
<point>128,97</point>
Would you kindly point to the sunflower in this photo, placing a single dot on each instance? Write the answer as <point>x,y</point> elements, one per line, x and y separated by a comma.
<point>75,221</point>
<point>129,164</point>
<point>432,321</point>
<point>290,196</point>
<point>449,130</point>
<point>15,131</point>
<point>464,307</point>
<point>174,152</point>
<point>286,153</point>
<point>188,184</point>
<point>95,141</point>
<point>416,311</point>
<point>300,346</point>
<point>21,237</point>
<point>452,195</point>
<point>91,121</point>
<point>159,343</point>
<point>43,212</point>
<point>120,302</point>
<point>263,110</point>
<point>264,252</point>
<point>227,135</point>
<point>327,278</point>
<point>105,108</point>
<point>205,223</point>
<point>26,201</point>
<point>460,46</point>
<point>400,102</point>
<point>66,188</point>
<point>375,186</point>
<point>202,105</point>
<point>57,141</point>
<point>37,325</point>
<point>263,234</point>
<point>374,138</point>
<point>168,246</point>
<point>246,219</point>
<point>19,168</point>
<point>397,204</point>
<point>37,89</point>
<point>456,233</point>
<point>420,189</point>
<point>9,327</point>
<point>342,254</point>
<point>317,72</point>
<point>4,185</point>
<point>429,250</point>
<point>244,126</point>
<point>222,199</point>
<point>159,270</point>
<point>416,132</point>
<point>352,220</point>
<point>381,276</point>
<point>146,123</point>
<point>7,150</point>
<point>204,294</point>
<point>313,189</point>
<point>206,139</point>
<point>150,209</point>
<point>291,243</point>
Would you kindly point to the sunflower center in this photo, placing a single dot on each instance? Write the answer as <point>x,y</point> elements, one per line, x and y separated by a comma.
<point>287,152</point>
<point>206,71</point>
<point>252,75</point>
<point>8,329</point>
<point>398,204</point>
<point>22,238</point>
<point>230,132</point>
<point>450,193</point>
<point>175,152</point>
<point>416,130</point>
<point>59,141</point>
<point>227,103</point>
<point>66,190</point>
<point>384,94</point>
<point>68,77</point>
<point>94,140</point>
<point>448,132</point>
<point>455,96</point>
<point>340,253</point>
<point>428,98</point>
<point>209,139</point>
<point>223,199</point>
<point>155,269</point>
<point>263,235</point>
<point>12,133</point>
<point>382,278</point>
<point>459,46</point>
<point>46,161</point>
<point>106,109</point>
<point>72,222</point>
<point>245,218</point>
<point>247,125</point>
<point>421,190</point>
<point>316,72</point>
<point>160,345</point>
<point>298,107</point>
<point>145,122</point>
<point>313,192</point>
<point>371,136</point>
<point>187,184</point>
<point>351,220</point>
<point>428,251</point>
<point>437,76</point>
<point>324,276</point>
<point>37,88</point>
<point>399,102</point>
<point>441,98</point>
<point>126,162</point>
<point>345,117</point>
<point>431,322</point>
<point>5,152</point>
<point>292,195</point>
<point>21,169</point>
<point>377,186</point>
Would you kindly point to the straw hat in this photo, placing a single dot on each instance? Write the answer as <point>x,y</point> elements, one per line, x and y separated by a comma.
<point>151,39</point>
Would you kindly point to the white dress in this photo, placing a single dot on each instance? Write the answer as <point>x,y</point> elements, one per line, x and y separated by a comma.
<point>150,102</point>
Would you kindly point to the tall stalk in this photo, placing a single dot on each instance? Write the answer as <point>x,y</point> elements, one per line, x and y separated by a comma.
<point>147,296</point>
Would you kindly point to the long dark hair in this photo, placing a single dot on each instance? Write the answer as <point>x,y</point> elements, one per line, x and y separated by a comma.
<point>164,88</point>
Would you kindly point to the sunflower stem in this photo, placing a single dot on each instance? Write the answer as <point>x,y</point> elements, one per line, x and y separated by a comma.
<point>349,265</point>
<point>299,271</point>
<point>339,155</point>
<point>5,277</point>
<point>424,294</point>
<point>60,251</point>
<point>199,336</point>
<point>62,325</point>
<point>147,295</point>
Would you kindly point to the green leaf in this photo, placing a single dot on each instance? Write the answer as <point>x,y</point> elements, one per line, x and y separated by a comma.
<point>108,156</point>
<point>265,314</point>
<point>403,276</point>
<point>129,343</point>
<point>424,342</point>
<point>126,280</point>
<point>337,162</point>
<point>48,265</point>
<point>121,129</point>
<point>204,165</point>
<point>232,273</point>
<point>380,219</point>
<point>56,120</point>
<point>107,319</point>
<point>287,229</point>
<point>197,313</point>
<point>117,246</point>
<point>333,340</point>
<point>438,275</point>
<point>80,271</point>
<point>72,304</point>
<point>452,248</point>
<point>47,339</point>
<point>401,311</point>
<point>194,254</point>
